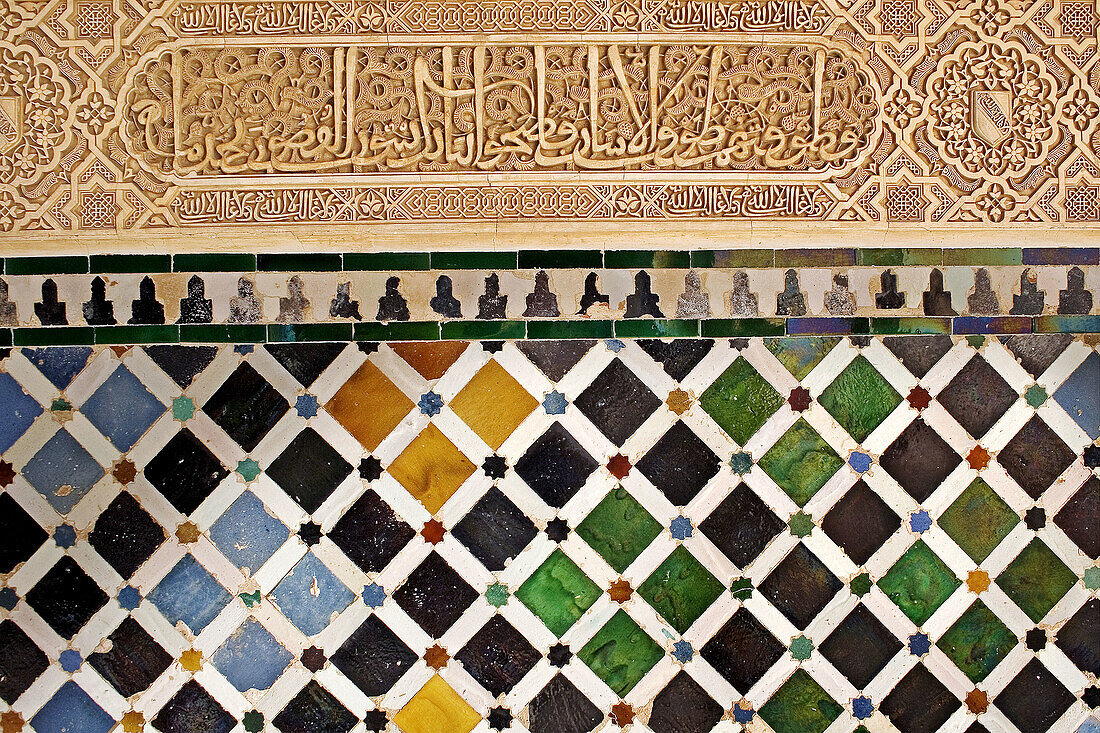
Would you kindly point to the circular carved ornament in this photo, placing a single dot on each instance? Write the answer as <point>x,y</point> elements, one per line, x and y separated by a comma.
<point>35,129</point>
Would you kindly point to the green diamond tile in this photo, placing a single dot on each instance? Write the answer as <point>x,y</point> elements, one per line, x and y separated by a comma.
<point>800,706</point>
<point>978,520</point>
<point>801,355</point>
<point>801,462</point>
<point>558,592</point>
<point>619,528</point>
<point>859,399</point>
<point>977,642</point>
<point>621,653</point>
<point>741,401</point>
<point>680,589</point>
<point>1036,580</point>
<point>919,583</point>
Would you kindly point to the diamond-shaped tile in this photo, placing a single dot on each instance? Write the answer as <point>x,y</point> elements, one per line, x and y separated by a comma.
<point>133,659</point>
<point>370,533</point>
<point>1035,699</point>
<point>800,586</point>
<point>919,703</point>
<point>977,642</point>
<point>617,402</point>
<point>191,704</point>
<point>800,705</point>
<point>311,595</point>
<point>431,359</point>
<point>1079,638</point>
<point>185,472</point>
<point>683,707</point>
<point>978,520</point>
<point>860,522</point>
<point>801,462</point>
<point>21,661</point>
<point>800,355</point>
<point>1036,580</point>
<point>558,592</point>
<point>859,399</point>
<point>555,466</point>
<point>741,401</point>
<point>59,364</point>
<point>248,533</point>
<point>122,408</point>
<point>369,405</point>
<point>742,526</point>
<point>251,658</point>
<point>22,535</point>
<point>1077,395</point>
<point>498,656</point>
<point>309,470</point>
<point>621,653</point>
<point>62,471</point>
<point>305,361</point>
<point>246,406</point>
<point>555,358</point>
<point>125,535</point>
<point>493,404</point>
<point>374,657</point>
<point>1079,518</point>
<point>494,530</point>
<point>1036,352</point>
<point>66,597</point>
<point>860,647</point>
<point>680,589</point>
<point>18,411</point>
<point>919,582</point>
<point>189,593</point>
<point>72,709</point>
<point>918,353</point>
<point>680,464</point>
<point>437,708</point>
<point>435,596</point>
<point>743,650</point>
<point>678,357</point>
<point>1035,457</point>
<point>919,460</point>
<point>561,708</point>
<point>431,468</point>
<point>619,528</point>
<point>182,363</point>
<point>977,396</point>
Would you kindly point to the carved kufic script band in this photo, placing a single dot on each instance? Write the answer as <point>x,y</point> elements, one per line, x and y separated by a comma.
<point>807,110</point>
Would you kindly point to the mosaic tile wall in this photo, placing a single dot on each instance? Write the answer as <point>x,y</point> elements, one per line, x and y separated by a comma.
<point>781,533</point>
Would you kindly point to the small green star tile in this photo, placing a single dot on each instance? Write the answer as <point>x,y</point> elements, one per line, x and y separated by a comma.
<point>619,529</point>
<point>919,583</point>
<point>558,592</point>
<point>859,399</point>
<point>621,653</point>
<point>741,401</point>
<point>1036,580</point>
<point>801,462</point>
<point>800,705</point>
<point>680,589</point>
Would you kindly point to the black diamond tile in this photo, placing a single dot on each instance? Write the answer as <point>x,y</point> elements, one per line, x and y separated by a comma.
<point>1036,352</point>
<point>314,709</point>
<point>309,470</point>
<point>919,703</point>
<point>370,533</point>
<point>66,597</point>
<point>1035,457</point>
<point>305,361</point>
<point>125,535</point>
<point>21,661</point>
<point>680,464</point>
<point>800,586</point>
<point>555,466</point>
<point>554,358</point>
<point>182,363</point>
<point>374,657</point>
<point>185,471</point>
<point>561,708</point>
<point>1079,518</point>
<point>435,595</point>
<point>246,406</point>
<point>193,710</point>
<point>678,357</point>
<point>860,522</point>
<point>133,660</point>
<point>498,656</point>
<point>918,353</point>
<point>860,646</point>
<point>1034,700</point>
<point>919,460</point>
<point>684,707</point>
<point>742,526</point>
<point>617,402</point>
<point>494,530</point>
<point>1079,638</point>
<point>977,397</point>
<point>743,650</point>
<point>22,535</point>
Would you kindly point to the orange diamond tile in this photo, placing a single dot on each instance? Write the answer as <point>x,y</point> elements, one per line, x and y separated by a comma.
<point>431,359</point>
<point>369,405</point>
<point>431,468</point>
<point>493,404</point>
<point>437,708</point>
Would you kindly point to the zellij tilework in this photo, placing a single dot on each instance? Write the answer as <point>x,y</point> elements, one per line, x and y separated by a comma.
<point>788,534</point>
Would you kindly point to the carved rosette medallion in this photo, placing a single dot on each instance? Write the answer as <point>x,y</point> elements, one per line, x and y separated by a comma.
<point>35,125</point>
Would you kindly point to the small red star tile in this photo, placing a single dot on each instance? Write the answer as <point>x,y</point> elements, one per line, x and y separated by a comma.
<point>622,714</point>
<point>620,591</point>
<point>977,701</point>
<point>800,399</point>
<point>433,531</point>
<point>919,398</point>
<point>436,657</point>
<point>313,659</point>
<point>124,471</point>
<point>11,722</point>
<point>7,473</point>
<point>618,466</point>
<point>978,458</point>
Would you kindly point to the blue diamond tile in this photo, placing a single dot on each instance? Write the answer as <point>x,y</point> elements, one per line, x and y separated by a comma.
<point>247,533</point>
<point>60,364</point>
<point>310,595</point>
<point>122,408</point>
<point>71,710</point>
<point>62,471</point>
<point>17,411</point>
<point>1077,395</point>
<point>251,658</point>
<point>189,593</point>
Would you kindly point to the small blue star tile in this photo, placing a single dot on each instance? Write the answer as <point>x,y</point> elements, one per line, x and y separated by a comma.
<point>554,403</point>
<point>374,595</point>
<point>430,404</point>
<point>129,598</point>
<point>860,462</point>
<point>70,660</point>
<point>306,406</point>
<point>919,521</point>
<point>64,536</point>
<point>681,528</point>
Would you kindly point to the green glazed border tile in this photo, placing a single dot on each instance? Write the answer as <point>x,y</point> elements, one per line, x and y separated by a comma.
<point>474,260</point>
<point>197,333</point>
<point>46,265</point>
<point>743,327</point>
<point>638,259</point>
<point>54,336</point>
<point>1066,324</point>
<point>983,256</point>
<point>387,261</point>
<point>299,262</point>
<point>399,331</point>
<point>884,257</point>
<point>289,332</point>
<point>5,337</point>
<point>656,328</point>
<point>165,334</point>
<point>130,263</point>
<point>491,330</point>
<point>530,259</point>
<point>910,326</point>
<point>214,262</point>
<point>841,257</point>
<point>570,329</point>
<point>741,258</point>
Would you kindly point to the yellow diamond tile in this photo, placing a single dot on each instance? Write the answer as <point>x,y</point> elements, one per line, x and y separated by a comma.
<point>493,404</point>
<point>437,708</point>
<point>369,405</point>
<point>431,468</point>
